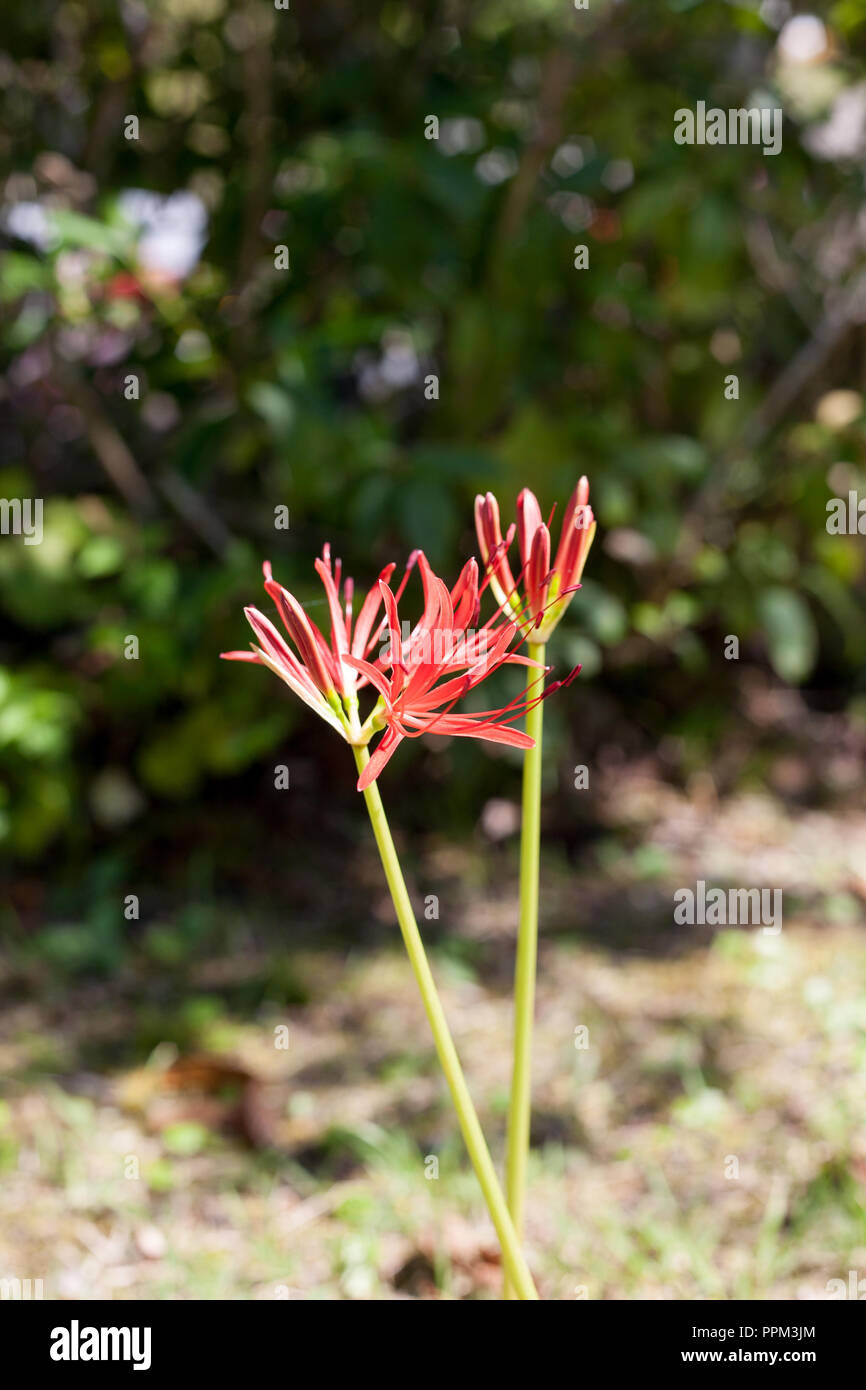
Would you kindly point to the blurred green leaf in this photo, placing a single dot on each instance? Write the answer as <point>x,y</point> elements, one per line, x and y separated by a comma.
<point>792,639</point>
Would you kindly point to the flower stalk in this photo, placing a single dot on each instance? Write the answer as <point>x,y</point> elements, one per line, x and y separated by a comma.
<point>537,600</point>
<point>519,1109</point>
<point>517,1271</point>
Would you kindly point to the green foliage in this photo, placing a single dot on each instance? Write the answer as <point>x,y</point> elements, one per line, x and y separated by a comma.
<point>408,258</point>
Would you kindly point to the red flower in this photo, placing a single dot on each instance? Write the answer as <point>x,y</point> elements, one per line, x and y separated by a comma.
<point>418,677</point>
<point>317,670</point>
<point>547,588</point>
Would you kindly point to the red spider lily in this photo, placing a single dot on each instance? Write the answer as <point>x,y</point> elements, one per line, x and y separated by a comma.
<point>547,588</point>
<point>415,699</point>
<point>319,673</point>
<point>418,678</point>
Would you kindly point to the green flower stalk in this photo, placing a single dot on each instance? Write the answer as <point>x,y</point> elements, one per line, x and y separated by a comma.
<point>547,592</point>
<point>517,1272</point>
<point>525,968</point>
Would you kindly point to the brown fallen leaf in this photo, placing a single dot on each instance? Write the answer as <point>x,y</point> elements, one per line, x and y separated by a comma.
<point>205,1088</point>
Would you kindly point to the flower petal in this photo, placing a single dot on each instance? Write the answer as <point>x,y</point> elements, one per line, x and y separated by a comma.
<point>297,625</point>
<point>538,571</point>
<point>528,521</point>
<point>385,750</point>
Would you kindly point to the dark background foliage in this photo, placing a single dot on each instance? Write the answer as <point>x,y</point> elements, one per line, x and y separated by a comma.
<point>304,388</point>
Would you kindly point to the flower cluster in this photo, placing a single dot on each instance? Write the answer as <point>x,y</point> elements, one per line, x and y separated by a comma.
<point>420,673</point>
<point>547,588</point>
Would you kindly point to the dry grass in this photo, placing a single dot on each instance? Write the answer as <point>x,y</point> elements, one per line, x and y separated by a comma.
<point>710,1142</point>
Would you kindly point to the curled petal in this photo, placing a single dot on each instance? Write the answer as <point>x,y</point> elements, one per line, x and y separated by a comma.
<point>464,595</point>
<point>377,678</point>
<point>578,528</point>
<point>464,726</point>
<point>339,636</point>
<point>382,755</point>
<point>492,547</point>
<point>528,521</point>
<point>538,571</point>
<point>367,615</point>
<point>298,626</point>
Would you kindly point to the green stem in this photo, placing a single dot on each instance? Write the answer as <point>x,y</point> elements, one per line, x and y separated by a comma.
<point>524,973</point>
<point>512,1256</point>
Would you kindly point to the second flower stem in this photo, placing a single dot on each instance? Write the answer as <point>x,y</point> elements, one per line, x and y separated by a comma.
<point>524,974</point>
<point>517,1270</point>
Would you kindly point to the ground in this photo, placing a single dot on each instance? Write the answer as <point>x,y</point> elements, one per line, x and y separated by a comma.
<point>699,1125</point>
